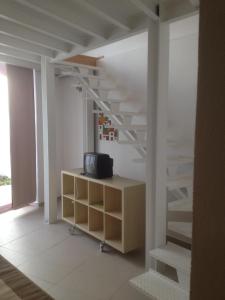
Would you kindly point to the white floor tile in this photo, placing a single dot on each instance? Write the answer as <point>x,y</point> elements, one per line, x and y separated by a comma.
<point>71,252</point>
<point>39,240</point>
<point>127,292</point>
<point>59,293</point>
<point>13,257</point>
<point>101,275</point>
<point>49,272</point>
<point>44,285</point>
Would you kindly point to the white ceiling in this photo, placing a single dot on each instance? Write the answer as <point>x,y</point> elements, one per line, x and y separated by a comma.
<point>59,29</point>
<point>184,27</point>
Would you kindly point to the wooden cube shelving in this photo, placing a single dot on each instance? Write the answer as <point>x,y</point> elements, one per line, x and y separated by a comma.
<point>111,210</point>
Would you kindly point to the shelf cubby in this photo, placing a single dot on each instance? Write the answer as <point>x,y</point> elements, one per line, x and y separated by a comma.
<point>113,232</point>
<point>96,196</point>
<point>113,202</point>
<point>81,216</point>
<point>81,191</point>
<point>68,210</point>
<point>68,186</point>
<point>96,223</point>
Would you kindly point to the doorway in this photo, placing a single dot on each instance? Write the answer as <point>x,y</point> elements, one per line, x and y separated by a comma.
<point>5,160</point>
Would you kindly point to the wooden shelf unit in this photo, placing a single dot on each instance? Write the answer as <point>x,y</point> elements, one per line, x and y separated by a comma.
<point>111,210</point>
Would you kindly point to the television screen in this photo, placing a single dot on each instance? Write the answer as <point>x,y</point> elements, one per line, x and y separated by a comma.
<point>98,165</point>
<point>90,164</point>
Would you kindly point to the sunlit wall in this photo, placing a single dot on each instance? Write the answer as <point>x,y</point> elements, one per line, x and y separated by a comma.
<point>5,168</point>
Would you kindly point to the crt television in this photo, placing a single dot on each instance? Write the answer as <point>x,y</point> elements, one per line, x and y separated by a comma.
<point>98,165</point>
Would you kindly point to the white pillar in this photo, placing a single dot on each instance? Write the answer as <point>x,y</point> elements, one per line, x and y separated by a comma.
<point>39,138</point>
<point>49,139</point>
<point>161,135</point>
<point>88,124</point>
<point>156,205</point>
<point>151,137</point>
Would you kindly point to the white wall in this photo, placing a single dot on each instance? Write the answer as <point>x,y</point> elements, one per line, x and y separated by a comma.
<point>183,82</point>
<point>125,62</point>
<point>69,123</point>
<point>5,159</point>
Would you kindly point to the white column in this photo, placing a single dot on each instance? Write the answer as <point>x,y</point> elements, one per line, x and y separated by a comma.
<point>156,206</point>
<point>39,138</point>
<point>49,139</point>
<point>161,135</point>
<point>151,137</point>
<point>88,124</point>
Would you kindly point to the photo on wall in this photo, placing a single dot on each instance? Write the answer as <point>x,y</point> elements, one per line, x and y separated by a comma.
<point>105,130</point>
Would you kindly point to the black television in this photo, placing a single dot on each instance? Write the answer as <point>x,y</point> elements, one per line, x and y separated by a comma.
<point>98,165</point>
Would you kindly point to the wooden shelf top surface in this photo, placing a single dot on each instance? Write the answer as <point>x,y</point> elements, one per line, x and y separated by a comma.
<point>97,206</point>
<point>82,201</point>
<point>70,220</point>
<point>69,196</point>
<point>115,214</point>
<point>115,182</point>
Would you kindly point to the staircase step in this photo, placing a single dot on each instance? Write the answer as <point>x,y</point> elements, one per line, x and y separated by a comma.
<point>180,230</point>
<point>64,63</point>
<point>101,87</point>
<point>159,287</point>
<point>177,182</point>
<point>134,143</point>
<point>105,99</point>
<point>183,205</point>
<point>179,160</point>
<point>180,210</point>
<point>75,74</point>
<point>130,127</point>
<point>120,113</point>
<point>174,256</point>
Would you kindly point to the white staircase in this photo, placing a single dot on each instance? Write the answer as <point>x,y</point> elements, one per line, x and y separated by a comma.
<point>179,187</point>
<point>102,90</point>
<point>179,216</point>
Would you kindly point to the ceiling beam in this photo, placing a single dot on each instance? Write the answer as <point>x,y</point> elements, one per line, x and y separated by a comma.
<point>104,11</point>
<point>18,62</point>
<point>148,7</point>
<point>19,54</point>
<point>68,14</point>
<point>177,9</point>
<point>141,27</point>
<point>25,46</point>
<point>25,16</point>
<point>32,36</point>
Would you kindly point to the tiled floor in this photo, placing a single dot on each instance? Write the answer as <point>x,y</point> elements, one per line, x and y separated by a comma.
<point>67,267</point>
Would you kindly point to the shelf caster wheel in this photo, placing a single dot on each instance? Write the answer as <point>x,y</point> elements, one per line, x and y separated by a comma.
<point>102,245</point>
<point>74,231</point>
